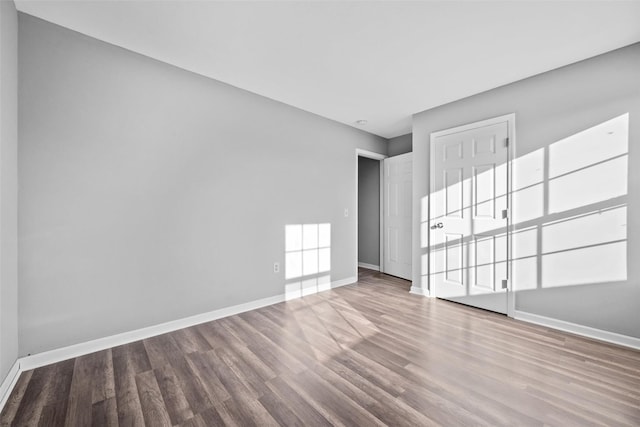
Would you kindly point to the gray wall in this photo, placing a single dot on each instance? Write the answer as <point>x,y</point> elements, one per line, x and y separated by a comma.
<point>550,107</point>
<point>148,193</point>
<point>400,145</point>
<point>8,186</point>
<point>368,211</point>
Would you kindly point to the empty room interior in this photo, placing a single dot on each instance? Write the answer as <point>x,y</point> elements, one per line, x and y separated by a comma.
<point>319,213</point>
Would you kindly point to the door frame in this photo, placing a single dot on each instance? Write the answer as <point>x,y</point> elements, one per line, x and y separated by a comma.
<point>510,119</point>
<point>379,157</point>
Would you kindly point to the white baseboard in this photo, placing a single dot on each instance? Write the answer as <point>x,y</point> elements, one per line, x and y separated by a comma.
<point>65,353</point>
<point>9,383</point>
<point>75,350</point>
<point>343,282</point>
<point>69,352</point>
<point>369,266</point>
<point>574,328</point>
<point>419,291</point>
<point>57,355</point>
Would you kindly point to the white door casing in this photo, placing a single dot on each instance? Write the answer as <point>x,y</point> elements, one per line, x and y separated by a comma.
<point>468,220</point>
<point>398,183</point>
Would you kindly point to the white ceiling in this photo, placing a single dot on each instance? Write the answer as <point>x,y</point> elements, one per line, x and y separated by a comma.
<point>380,61</point>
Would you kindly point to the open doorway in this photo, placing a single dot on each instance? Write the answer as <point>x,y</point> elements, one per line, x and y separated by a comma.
<point>369,221</point>
<point>369,231</point>
<point>384,208</point>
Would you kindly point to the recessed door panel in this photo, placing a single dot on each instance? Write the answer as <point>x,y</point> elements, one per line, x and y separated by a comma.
<point>484,191</point>
<point>484,145</point>
<point>454,267</point>
<point>453,192</point>
<point>392,244</point>
<point>484,262</point>
<point>453,150</point>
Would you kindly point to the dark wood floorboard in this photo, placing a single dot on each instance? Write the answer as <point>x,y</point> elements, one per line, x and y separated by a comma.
<point>361,355</point>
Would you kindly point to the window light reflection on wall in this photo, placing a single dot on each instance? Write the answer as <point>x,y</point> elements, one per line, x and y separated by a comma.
<point>307,249</point>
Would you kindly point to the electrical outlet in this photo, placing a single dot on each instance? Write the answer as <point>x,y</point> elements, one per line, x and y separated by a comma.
<point>346,212</point>
<point>276,267</point>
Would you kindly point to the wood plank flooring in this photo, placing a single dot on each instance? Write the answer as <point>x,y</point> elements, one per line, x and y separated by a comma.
<point>366,354</point>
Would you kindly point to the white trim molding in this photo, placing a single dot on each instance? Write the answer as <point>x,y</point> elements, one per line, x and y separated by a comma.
<point>416,290</point>
<point>370,154</point>
<point>369,266</point>
<point>577,329</point>
<point>9,383</point>
<point>57,355</point>
<point>343,282</point>
<point>76,350</point>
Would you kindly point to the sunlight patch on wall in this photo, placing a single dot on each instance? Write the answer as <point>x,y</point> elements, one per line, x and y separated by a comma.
<point>594,228</point>
<point>604,263</point>
<point>307,259</point>
<point>528,187</point>
<point>602,181</point>
<point>591,146</point>
<point>590,166</point>
<point>589,248</point>
<point>580,237</point>
<point>525,262</point>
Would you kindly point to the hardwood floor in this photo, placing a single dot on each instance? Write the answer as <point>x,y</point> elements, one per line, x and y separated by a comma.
<point>361,355</point>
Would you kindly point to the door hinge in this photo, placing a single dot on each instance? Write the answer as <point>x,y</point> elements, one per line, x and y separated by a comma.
<point>506,142</point>
<point>505,283</point>
<point>505,213</point>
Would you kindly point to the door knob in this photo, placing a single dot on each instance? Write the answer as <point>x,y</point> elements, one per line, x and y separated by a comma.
<point>438,225</point>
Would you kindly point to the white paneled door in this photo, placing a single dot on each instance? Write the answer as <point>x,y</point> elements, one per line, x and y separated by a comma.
<point>468,215</point>
<point>398,176</point>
